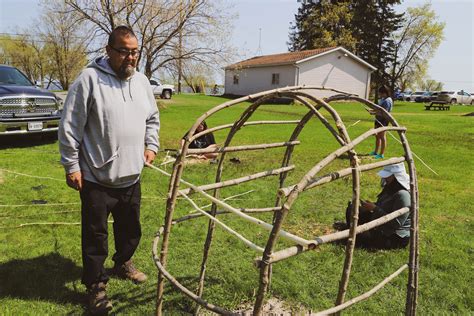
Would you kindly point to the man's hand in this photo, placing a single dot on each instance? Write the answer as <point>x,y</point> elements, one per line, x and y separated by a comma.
<point>74,180</point>
<point>149,156</point>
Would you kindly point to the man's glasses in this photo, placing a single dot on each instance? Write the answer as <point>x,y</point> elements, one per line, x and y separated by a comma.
<point>125,52</point>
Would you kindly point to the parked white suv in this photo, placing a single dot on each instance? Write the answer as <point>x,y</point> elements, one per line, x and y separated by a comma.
<point>454,97</point>
<point>164,91</point>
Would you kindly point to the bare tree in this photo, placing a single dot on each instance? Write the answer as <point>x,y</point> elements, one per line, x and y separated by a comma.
<point>65,41</point>
<point>158,25</point>
<point>202,46</point>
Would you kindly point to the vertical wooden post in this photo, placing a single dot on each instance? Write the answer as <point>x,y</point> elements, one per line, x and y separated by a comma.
<point>352,231</point>
<point>170,205</point>
<point>413,264</point>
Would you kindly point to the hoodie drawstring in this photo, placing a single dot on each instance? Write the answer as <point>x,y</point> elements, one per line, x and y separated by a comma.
<point>121,88</point>
<point>129,81</point>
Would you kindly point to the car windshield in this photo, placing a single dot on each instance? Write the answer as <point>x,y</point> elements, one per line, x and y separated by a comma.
<point>12,76</point>
<point>418,93</point>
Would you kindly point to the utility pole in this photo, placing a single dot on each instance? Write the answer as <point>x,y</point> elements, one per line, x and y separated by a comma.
<point>259,49</point>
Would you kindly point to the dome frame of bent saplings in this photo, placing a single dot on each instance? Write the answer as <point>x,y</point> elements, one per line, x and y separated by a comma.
<point>286,197</point>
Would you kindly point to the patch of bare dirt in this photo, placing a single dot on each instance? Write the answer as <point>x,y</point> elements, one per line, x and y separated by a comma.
<point>275,307</point>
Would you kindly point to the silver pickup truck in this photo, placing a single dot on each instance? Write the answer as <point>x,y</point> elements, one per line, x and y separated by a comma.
<point>164,91</point>
<point>25,108</point>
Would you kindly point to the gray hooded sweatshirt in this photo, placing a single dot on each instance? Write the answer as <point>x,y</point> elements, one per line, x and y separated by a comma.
<point>106,125</point>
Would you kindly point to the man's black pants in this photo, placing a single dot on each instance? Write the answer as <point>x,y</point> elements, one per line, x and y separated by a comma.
<point>97,203</point>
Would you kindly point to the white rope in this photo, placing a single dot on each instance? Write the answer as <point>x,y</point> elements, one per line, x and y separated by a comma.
<point>42,224</point>
<point>282,233</point>
<point>414,154</point>
<point>30,176</point>
<point>227,228</point>
<point>229,198</point>
<point>38,214</point>
<point>45,204</point>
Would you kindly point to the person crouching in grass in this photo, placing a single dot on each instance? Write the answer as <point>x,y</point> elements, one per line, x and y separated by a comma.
<point>205,141</point>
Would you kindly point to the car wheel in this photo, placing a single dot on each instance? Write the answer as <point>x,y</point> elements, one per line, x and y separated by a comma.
<point>408,99</point>
<point>453,101</point>
<point>166,94</point>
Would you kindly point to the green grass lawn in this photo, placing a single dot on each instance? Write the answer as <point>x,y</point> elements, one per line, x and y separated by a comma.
<point>40,265</point>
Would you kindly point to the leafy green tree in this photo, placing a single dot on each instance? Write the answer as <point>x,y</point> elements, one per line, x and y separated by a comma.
<point>415,43</point>
<point>431,85</point>
<point>322,23</point>
<point>373,25</point>
<point>413,76</point>
<point>24,53</point>
<point>54,50</point>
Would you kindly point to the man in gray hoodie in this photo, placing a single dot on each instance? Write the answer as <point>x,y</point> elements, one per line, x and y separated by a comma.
<point>109,129</point>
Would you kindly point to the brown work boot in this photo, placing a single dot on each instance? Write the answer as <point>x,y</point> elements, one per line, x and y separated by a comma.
<point>99,304</point>
<point>128,271</point>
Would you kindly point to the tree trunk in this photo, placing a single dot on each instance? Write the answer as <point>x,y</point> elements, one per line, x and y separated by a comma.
<point>148,67</point>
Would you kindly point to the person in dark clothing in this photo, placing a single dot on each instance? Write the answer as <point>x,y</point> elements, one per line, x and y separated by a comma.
<point>394,196</point>
<point>204,141</point>
<point>385,102</point>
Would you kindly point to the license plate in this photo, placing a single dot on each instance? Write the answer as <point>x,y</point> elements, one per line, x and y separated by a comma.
<point>35,126</point>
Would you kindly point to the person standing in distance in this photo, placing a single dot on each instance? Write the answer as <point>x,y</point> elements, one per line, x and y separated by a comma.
<point>108,130</point>
<point>385,102</point>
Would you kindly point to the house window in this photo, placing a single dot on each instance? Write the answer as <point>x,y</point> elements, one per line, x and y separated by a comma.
<point>275,78</point>
<point>236,79</point>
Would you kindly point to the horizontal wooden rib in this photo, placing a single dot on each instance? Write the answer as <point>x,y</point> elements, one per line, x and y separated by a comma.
<point>247,242</point>
<point>341,174</point>
<point>221,127</point>
<point>295,250</point>
<point>296,239</point>
<point>243,210</point>
<point>364,296</point>
<point>228,183</point>
<point>242,148</point>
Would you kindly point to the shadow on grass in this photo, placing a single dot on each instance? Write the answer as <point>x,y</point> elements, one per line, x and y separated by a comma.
<point>29,140</point>
<point>42,278</point>
<point>175,302</point>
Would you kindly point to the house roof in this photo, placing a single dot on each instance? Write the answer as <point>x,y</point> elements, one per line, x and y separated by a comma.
<point>291,58</point>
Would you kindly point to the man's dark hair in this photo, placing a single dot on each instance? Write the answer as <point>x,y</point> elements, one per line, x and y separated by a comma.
<point>121,30</point>
<point>384,89</point>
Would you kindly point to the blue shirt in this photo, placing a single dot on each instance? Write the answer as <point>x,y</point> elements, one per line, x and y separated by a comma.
<point>386,103</point>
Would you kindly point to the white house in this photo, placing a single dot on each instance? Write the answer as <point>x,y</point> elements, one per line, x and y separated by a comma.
<point>333,67</point>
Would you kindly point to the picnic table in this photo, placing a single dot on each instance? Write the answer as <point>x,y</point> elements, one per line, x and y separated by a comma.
<point>438,105</point>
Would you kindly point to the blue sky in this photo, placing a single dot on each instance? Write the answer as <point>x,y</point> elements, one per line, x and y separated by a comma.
<point>453,63</point>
